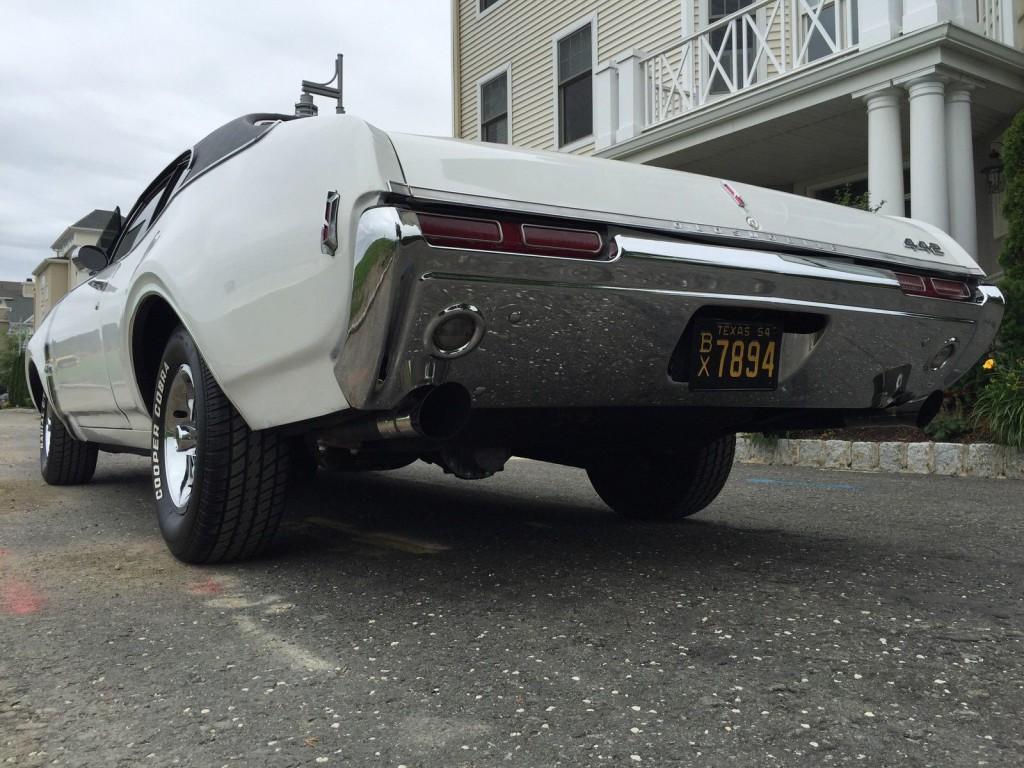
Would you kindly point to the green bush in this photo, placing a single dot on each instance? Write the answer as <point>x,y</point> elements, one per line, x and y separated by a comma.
<point>12,372</point>
<point>1001,403</point>
<point>950,424</point>
<point>1011,334</point>
<point>846,196</point>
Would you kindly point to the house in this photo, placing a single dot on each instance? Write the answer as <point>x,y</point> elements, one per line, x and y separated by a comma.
<point>57,274</point>
<point>903,99</point>
<point>15,308</point>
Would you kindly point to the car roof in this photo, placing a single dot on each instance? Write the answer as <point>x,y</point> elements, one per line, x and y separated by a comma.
<point>231,138</point>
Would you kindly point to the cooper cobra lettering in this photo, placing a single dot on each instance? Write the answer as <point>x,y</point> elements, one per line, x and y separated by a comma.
<point>161,382</point>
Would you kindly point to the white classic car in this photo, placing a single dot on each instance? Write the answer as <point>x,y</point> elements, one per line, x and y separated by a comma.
<point>300,292</point>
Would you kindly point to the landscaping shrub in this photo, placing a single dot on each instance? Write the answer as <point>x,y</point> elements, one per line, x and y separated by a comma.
<point>951,423</point>
<point>1000,405</point>
<point>1011,334</point>
<point>12,372</point>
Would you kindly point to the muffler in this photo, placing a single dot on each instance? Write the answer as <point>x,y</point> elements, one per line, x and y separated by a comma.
<point>440,413</point>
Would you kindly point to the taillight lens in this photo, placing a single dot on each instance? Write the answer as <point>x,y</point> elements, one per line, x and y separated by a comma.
<point>459,232</point>
<point>579,241</point>
<point>512,236</point>
<point>933,287</point>
<point>950,289</point>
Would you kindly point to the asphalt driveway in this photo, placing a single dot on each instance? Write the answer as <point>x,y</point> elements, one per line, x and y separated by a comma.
<point>806,618</point>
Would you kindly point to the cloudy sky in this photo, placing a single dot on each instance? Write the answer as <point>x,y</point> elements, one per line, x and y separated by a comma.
<point>97,97</point>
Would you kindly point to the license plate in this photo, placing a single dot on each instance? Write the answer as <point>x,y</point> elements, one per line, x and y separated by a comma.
<point>735,354</point>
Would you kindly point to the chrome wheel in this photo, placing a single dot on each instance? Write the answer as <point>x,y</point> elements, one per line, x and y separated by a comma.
<point>47,430</point>
<point>180,437</point>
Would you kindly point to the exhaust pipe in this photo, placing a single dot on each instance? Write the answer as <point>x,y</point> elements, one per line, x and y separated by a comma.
<point>918,413</point>
<point>439,414</point>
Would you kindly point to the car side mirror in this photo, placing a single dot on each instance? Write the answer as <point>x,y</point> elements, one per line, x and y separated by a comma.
<point>89,258</point>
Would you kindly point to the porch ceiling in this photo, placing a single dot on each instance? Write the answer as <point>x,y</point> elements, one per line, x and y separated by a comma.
<point>825,141</point>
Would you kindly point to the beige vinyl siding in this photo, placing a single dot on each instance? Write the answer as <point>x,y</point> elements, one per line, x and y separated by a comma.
<point>520,33</point>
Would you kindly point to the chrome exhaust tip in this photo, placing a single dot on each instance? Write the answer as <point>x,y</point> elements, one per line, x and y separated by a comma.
<point>439,415</point>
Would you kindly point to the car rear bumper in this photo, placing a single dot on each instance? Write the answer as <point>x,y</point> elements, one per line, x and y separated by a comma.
<point>566,333</point>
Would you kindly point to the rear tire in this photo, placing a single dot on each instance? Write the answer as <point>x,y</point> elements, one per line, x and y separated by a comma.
<point>63,459</point>
<point>219,486</point>
<point>664,486</point>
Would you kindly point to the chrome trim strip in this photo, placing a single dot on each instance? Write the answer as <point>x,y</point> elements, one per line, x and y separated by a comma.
<point>748,259</point>
<point>701,295</point>
<point>710,233</point>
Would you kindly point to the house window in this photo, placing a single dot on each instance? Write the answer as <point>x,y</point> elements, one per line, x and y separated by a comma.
<point>494,109</point>
<point>485,4</point>
<point>575,63</point>
<point>729,40</point>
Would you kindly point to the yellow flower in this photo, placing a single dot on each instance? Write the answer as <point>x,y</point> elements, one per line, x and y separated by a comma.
<point>989,364</point>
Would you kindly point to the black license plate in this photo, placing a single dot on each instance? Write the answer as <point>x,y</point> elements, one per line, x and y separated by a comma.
<point>735,354</point>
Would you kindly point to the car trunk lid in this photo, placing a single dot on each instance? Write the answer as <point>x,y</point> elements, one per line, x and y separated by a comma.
<point>692,203</point>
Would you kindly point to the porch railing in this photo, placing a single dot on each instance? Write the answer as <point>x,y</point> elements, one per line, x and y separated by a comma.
<point>761,42</point>
<point>996,19</point>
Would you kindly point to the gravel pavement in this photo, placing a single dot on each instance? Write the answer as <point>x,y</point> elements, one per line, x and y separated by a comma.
<point>807,618</point>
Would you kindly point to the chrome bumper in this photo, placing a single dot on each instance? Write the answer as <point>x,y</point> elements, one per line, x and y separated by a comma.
<point>572,333</point>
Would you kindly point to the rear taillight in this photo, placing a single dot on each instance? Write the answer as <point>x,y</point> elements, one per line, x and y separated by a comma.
<point>933,287</point>
<point>511,236</point>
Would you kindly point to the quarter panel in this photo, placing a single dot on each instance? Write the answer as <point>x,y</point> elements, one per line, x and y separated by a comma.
<point>239,259</point>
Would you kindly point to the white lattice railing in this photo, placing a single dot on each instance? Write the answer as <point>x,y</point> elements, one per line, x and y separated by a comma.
<point>765,40</point>
<point>996,19</point>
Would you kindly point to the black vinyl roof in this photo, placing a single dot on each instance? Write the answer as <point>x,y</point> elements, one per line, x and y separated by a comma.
<point>230,138</point>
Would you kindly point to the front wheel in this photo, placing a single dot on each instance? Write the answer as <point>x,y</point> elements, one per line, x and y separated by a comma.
<point>63,459</point>
<point>667,485</point>
<point>219,486</point>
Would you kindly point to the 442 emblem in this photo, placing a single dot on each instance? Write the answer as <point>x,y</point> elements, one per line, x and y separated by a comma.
<point>921,245</point>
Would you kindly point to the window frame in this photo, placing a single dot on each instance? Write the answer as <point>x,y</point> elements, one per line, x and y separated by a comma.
<point>480,12</point>
<point>844,15</point>
<point>490,77</point>
<point>165,185</point>
<point>706,21</point>
<point>591,20</point>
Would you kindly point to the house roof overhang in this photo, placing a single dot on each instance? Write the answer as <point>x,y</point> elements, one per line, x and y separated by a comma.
<point>41,267</point>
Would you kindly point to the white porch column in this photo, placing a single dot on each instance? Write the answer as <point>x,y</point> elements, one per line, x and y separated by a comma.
<point>963,214</point>
<point>929,195</point>
<point>885,151</point>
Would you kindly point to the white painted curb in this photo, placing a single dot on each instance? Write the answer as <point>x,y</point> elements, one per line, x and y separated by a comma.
<point>970,460</point>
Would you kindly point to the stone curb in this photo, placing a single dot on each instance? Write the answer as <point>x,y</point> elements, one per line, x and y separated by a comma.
<point>952,459</point>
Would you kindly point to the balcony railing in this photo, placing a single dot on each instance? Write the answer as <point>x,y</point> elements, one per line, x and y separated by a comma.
<point>757,44</point>
<point>995,17</point>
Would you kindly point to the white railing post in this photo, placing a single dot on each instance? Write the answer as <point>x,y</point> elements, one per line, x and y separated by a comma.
<point>1007,31</point>
<point>923,13</point>
<point>606,104</point>
<point>878,21</point>
<point>633,92</point>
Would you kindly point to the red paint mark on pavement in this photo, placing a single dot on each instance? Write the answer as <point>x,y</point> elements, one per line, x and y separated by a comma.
<point>208,587</point>
<point>19,599</point>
